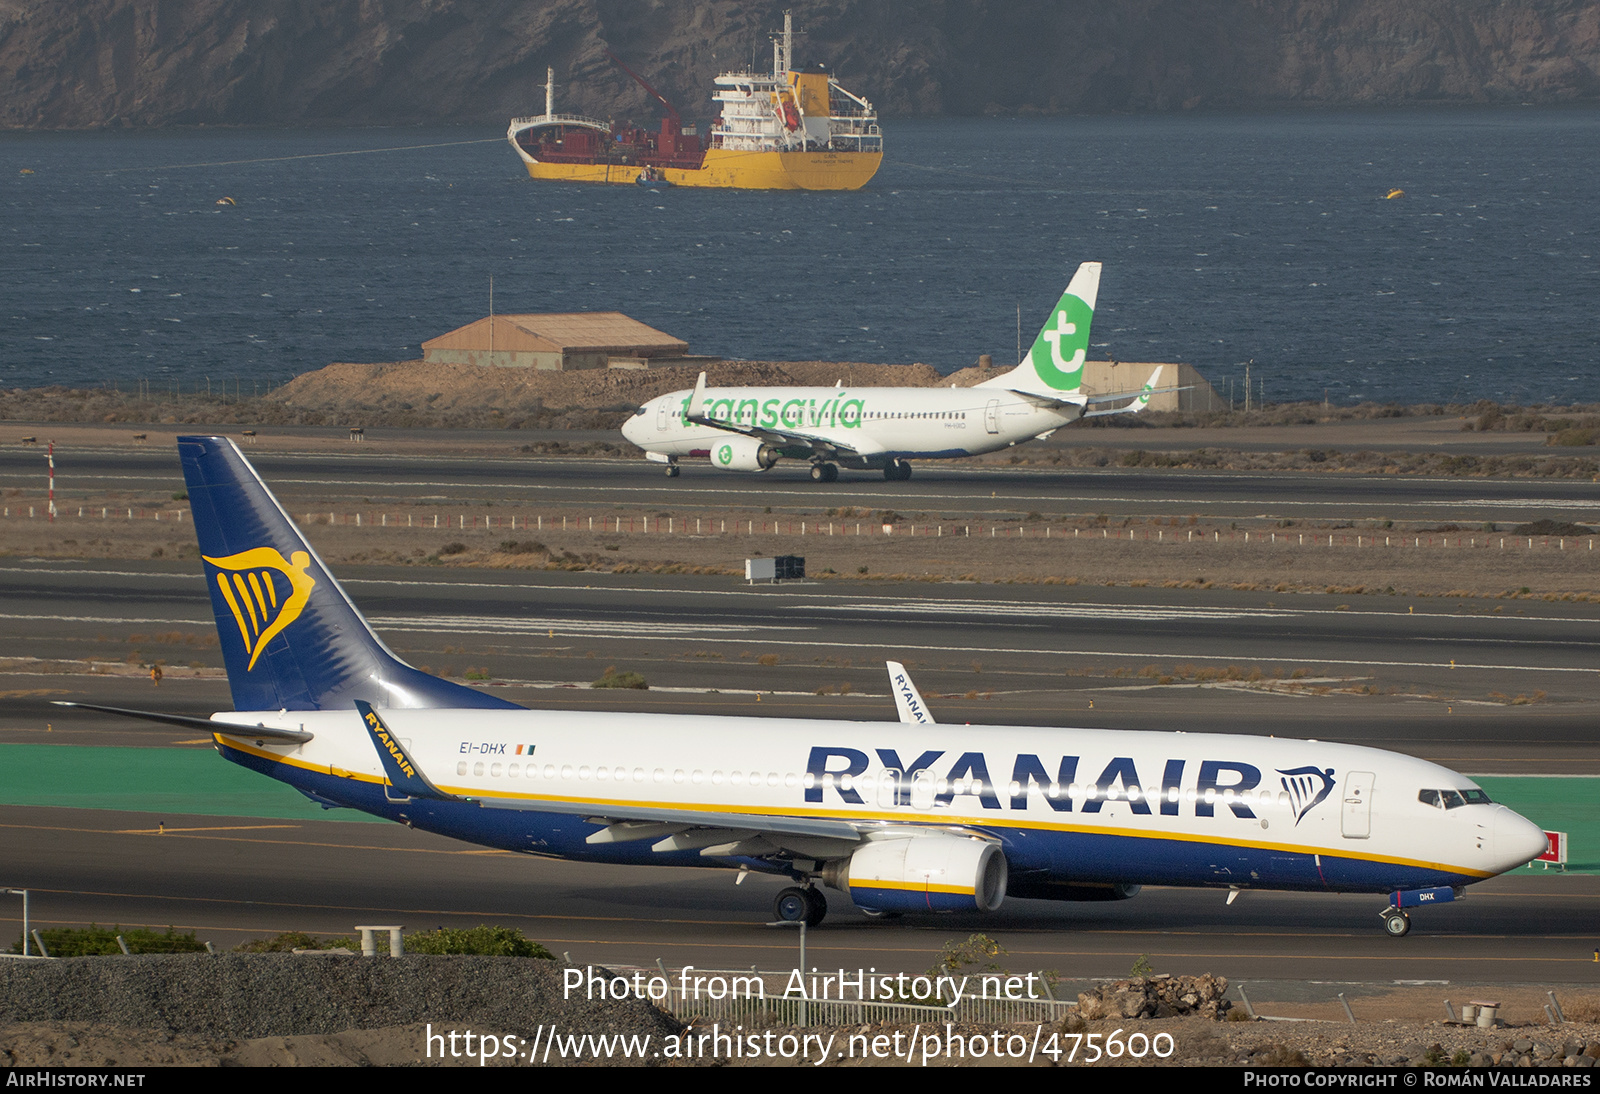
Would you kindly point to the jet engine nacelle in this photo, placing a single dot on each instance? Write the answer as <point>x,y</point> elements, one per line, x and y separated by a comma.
<point>743,454</point>
<point>936,873</point>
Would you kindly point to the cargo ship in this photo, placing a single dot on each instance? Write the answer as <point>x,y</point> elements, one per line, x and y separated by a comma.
<point>783,130</point>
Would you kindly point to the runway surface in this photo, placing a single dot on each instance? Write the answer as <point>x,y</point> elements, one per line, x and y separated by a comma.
<point>311,480</point>
<point>229,879</point>
<point>1434,677</point>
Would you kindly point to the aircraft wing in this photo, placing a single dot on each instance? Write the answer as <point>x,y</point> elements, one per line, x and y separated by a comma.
<point>717,834</point>
<point>712,834</point>
<point>625,817</point>
<point>778,438</point>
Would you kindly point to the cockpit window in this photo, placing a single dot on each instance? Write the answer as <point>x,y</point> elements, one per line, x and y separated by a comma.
<point>641,410</point>
<point>1452,799</point>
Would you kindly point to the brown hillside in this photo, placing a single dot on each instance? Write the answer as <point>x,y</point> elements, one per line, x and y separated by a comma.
<point>288,62</point>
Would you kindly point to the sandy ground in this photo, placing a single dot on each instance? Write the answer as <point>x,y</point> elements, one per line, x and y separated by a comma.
<point>1170,552</point>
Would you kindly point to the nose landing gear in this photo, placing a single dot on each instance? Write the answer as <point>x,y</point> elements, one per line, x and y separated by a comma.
<point>1396,923</point>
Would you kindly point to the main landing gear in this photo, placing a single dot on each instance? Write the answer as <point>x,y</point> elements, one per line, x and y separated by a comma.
<point>898,471</point>
<point>824,472</point>
<point>796,905</point>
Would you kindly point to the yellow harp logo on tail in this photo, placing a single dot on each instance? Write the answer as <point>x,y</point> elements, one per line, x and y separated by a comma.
<point>265,592</point>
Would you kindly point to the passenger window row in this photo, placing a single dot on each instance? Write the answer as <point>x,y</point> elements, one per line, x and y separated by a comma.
<point>624,774</point>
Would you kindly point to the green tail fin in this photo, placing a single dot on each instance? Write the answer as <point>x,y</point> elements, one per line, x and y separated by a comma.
<point>1054,366</point>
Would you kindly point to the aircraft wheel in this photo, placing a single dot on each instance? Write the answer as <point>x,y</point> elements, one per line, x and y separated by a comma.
<point>898,471</point>
<point>1396,924</point>
<point>819,472</point>
<point>879,913</point>
<point>833,472</point>
<point>672,471</point>
<point>792,905</point>
<point>816,907</point>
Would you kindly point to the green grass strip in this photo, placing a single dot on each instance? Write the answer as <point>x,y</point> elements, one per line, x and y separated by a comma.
<point>1556,803</point>
<point>150,780</point>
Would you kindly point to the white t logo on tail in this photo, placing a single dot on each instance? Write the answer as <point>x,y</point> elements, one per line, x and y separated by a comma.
<point>1063,329</point>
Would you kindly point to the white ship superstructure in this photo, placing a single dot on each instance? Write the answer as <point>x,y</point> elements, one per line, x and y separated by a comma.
<point>788,111</point>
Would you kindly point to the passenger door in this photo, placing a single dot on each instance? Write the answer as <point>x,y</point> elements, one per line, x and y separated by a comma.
<point>1357,810</point>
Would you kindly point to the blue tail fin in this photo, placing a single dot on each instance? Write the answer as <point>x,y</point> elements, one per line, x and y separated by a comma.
<point>291,638</point>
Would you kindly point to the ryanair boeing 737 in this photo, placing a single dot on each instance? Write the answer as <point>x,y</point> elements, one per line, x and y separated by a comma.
<point>752,428</point>
<point>907,817</point>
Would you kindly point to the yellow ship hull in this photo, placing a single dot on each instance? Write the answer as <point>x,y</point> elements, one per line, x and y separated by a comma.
<point>730,170</point>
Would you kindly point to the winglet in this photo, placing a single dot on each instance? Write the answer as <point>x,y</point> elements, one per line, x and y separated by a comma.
<point>907,699</point>
<point>1144,396</point>
<point>697,401</point>
<point>404,774</point>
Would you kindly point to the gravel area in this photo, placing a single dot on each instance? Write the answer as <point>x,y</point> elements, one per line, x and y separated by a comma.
<point>282,1010</point>
<point>239,997</point>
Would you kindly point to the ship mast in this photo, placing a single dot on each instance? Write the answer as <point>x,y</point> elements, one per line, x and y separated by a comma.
<point>783,48</point>
<point>549,91</point>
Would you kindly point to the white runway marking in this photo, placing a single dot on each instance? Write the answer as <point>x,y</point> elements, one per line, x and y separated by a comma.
<point>1063,611</point>
<point>595,628</point>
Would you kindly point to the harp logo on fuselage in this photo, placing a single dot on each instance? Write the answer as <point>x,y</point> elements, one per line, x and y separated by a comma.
<point>264,591</point>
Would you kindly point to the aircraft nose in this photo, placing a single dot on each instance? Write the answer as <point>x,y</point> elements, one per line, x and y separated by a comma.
<point>633,428</point>
<point>1516,839</point>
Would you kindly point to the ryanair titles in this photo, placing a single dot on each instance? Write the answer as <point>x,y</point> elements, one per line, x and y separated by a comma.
<point>1215,782</point>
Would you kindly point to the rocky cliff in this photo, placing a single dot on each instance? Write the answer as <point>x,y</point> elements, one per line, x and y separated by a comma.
<point>87,63</point>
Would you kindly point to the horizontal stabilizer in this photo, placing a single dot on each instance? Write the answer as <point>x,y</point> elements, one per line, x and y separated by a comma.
<point>187,721</point>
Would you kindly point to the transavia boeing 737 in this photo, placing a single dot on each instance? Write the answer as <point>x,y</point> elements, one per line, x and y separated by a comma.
<point>751,428</point>
<point>907,817</point>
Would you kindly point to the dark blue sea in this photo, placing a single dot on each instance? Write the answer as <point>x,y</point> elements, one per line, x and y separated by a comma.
<point>1224,238</point>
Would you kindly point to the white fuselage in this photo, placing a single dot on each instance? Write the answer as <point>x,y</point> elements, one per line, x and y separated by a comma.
<point>878,424</point>
<point>1066,805</point>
